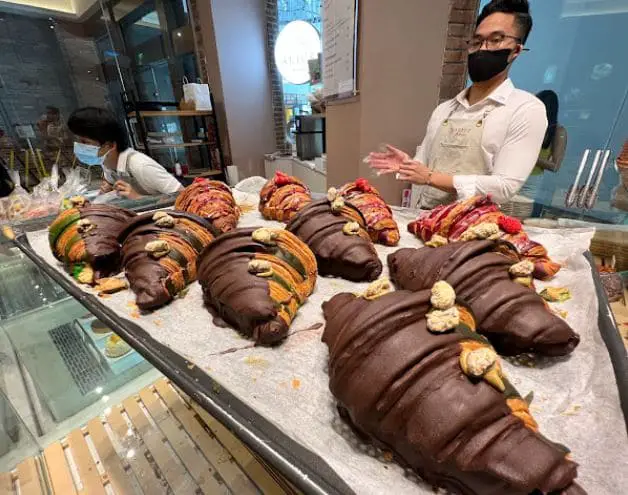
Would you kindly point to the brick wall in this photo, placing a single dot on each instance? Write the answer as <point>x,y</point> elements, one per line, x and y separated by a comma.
<point>462,17</point>
<point>272,30</point>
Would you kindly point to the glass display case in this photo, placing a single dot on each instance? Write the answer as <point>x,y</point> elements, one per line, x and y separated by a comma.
<point>55,373</point>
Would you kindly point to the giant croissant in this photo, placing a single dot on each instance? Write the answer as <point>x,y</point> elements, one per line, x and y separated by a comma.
<point>256,280</point>
<point>159,252</point>
<point>282,197</point>
<point>212,200</point>
<point>512,316</point>
<point>464,220</point>
<point>380,223</point>
<point>336,232</point>
<point>411,375</point>
<point>85,238</point>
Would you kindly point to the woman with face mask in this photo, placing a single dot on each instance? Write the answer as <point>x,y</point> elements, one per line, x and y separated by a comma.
<point>487,139</point>
<point>100,140</point>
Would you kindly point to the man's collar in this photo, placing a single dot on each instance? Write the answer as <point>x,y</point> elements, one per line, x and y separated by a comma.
<point>500,95</point>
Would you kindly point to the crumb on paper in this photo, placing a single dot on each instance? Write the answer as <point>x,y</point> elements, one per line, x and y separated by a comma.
<point>158,323</point>
<point>296,383</point>
<point>388,456</point>
<point>110,285</point>
<point>256,361</point>
<point>572,410</point>
<point>556,294</point>
<point>102,295</point>
<point>246,208</point>
<point>131,304</point>
<point>135,314</point>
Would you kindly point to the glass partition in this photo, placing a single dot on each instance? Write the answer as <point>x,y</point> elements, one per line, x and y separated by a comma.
<point>577,50</point>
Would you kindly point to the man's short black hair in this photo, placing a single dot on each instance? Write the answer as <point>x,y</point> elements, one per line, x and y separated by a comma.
<point>98,124</point>
<point>519,8</point>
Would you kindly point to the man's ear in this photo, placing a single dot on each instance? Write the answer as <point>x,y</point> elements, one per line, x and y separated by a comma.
<point>515,53</point>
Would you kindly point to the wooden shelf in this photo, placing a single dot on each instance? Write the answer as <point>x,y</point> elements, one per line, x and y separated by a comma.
<point>178,145</point>
<point>202,173</point>
<point>171,113</point>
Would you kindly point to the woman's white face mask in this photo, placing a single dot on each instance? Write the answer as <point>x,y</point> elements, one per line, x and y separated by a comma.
<point>88,154</point>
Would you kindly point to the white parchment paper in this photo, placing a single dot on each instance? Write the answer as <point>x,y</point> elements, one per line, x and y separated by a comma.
<point>575,399</point>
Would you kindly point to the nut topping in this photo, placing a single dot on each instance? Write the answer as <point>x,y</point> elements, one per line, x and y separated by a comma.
<point>351,228</point>
<point>439,321</point>
<point>157,249</point>
<point>377,289</point>
<point>443,295</point>
<point>260,268</point>
<point>265,236</point>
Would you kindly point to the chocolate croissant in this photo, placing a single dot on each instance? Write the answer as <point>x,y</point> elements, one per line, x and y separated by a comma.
<point>336,232</point>
<point>466,219</point>
<point>282,197</point>
<point>256,279</point>
<point>85,238</point>
<point>212,200</point>
<point>511,315</point>
<point>379,219</point>
<point>412,376</point>
<point>159,252</point>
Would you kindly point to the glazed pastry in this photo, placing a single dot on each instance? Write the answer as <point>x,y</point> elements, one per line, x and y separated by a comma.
<point>282,197</point>
<point>212,200</point>
<point>488,278</point>
<point>457,221</point>
<point>430,390</point>
<point>85,238</point>
<point>159,252</point>
<point>256,279</point>
<point>336,232</point>
<point>115,347</point>
<point>379,219</point>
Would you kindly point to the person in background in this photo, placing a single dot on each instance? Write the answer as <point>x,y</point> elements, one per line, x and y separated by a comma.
<point>100,140</point>
<point>487,139</point>
<point>553,147</point>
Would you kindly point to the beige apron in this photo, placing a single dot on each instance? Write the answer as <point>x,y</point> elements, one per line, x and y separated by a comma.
<point>456,150</point>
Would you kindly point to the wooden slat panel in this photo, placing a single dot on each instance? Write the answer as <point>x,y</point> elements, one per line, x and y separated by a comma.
<point>58,470</point>
<point>90,477</point>
<point>235,478</point>
<point>28,477</point>
<point>6,483</point>
<point>196,464</point>
<point>267,481</point>
<point>175,473</point>
<point>141,467</point>
<point>109,458</point>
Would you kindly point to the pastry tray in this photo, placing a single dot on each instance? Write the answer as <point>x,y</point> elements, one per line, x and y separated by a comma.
<point>277,401</point>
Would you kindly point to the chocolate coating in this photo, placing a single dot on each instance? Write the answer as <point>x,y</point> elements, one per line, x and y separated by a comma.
<point>146,275</point>
<point>103,249</point>
<point>347,256</point>
<point>240,298</point>
<point>403,388</point>
<point>514,317</point>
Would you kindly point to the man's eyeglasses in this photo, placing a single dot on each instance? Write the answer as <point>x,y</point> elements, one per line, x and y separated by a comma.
<point>493,42</point>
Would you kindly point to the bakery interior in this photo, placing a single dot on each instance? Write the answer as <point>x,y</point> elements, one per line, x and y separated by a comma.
<point>101,392</point>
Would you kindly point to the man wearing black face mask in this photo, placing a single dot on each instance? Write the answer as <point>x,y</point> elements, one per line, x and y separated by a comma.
<point>487,139</point>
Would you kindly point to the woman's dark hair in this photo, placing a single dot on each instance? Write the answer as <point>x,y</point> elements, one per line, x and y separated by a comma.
<point>519,8</point>
<point>100,125</point>
<point>550,100</point>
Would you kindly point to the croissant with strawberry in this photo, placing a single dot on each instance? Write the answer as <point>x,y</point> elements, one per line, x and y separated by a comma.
<point>282,197</point>
<point>379,219</point>
<point>463,221</point>
<point>211,200</point>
